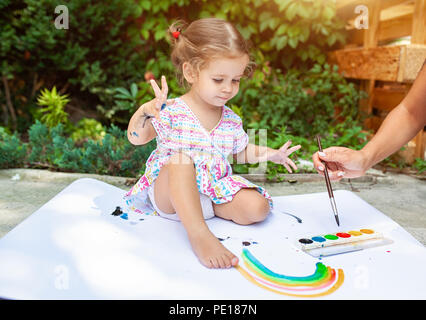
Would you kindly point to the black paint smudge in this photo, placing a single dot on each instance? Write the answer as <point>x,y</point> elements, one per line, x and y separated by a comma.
<point>297,218</point>
<point>117,212</point>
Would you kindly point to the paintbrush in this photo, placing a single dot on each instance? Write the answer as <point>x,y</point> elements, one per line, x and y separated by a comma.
<point>328,184</point>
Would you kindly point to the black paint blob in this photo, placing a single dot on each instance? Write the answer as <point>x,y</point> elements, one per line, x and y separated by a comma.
<point>305,241</point>
<point>117,211</point>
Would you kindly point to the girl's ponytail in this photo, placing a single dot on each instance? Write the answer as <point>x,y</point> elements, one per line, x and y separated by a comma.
<point>175,31</point>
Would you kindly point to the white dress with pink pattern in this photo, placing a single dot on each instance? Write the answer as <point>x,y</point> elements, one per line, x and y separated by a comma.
<point>179,130</point>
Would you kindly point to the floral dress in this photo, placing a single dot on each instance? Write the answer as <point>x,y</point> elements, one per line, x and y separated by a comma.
<point>179,130</point>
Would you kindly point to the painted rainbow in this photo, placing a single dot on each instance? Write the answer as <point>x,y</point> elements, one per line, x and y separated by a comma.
<point>322,282</point>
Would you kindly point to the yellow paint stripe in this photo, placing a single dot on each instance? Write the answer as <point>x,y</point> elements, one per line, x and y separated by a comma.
<point>339,282</point>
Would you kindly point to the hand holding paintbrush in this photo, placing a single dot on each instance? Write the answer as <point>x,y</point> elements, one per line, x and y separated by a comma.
<point>329,187</point>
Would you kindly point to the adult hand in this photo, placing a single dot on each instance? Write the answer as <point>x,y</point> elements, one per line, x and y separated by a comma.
<point>341,162</point>
<point>280,156</point>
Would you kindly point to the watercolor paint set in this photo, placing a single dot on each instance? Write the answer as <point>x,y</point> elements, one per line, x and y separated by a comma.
<point>341,242</point>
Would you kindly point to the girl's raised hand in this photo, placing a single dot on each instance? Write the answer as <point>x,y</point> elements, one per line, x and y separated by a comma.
<point>280,156</point>
<point>153,107</point>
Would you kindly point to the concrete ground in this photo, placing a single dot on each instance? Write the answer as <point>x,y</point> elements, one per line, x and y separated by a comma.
<point>400,197</point>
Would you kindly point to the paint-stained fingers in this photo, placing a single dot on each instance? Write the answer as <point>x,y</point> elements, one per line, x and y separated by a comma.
<point>149,109</point>
<point>158,107</point>
<point>161,102</point>
<point>155,112</point>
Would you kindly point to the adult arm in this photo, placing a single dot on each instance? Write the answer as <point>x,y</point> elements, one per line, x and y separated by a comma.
<point>399,127</point>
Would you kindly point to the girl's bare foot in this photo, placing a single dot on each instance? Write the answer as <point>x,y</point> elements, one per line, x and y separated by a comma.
<point>210,251</point>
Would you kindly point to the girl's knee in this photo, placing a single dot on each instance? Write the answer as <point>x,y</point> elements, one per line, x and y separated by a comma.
<point>259,210</point>
<point>253,206</point>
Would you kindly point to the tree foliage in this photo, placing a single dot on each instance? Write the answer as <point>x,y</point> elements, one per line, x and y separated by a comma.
<point>112,45</point>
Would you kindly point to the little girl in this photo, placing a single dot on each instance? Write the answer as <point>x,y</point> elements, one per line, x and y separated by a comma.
<point>188,176</point>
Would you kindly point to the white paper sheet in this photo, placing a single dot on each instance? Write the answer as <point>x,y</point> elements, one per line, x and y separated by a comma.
<point>73,248</point>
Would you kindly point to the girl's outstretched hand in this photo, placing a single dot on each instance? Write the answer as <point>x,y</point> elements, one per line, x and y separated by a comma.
<point>153,107</point>
<point>280,156</point>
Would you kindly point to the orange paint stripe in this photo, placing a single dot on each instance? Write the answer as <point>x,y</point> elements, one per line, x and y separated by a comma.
<point>336,286</point>
<point>301,288</point>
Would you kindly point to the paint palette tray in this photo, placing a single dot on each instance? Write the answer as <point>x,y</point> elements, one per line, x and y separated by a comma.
<point>341,242</point>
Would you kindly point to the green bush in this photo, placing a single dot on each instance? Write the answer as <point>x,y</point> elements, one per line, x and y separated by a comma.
<point>112,155</point>
<point>87,129</point>
<point>102,61</point>
<point>299,105</point>
<point>112,44</point>
<point>41,144</point>
<point>420,165</point>
<point>308,103</point>
<point>288,32</point>
<point>12,150</point>
<point>101,50</point>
